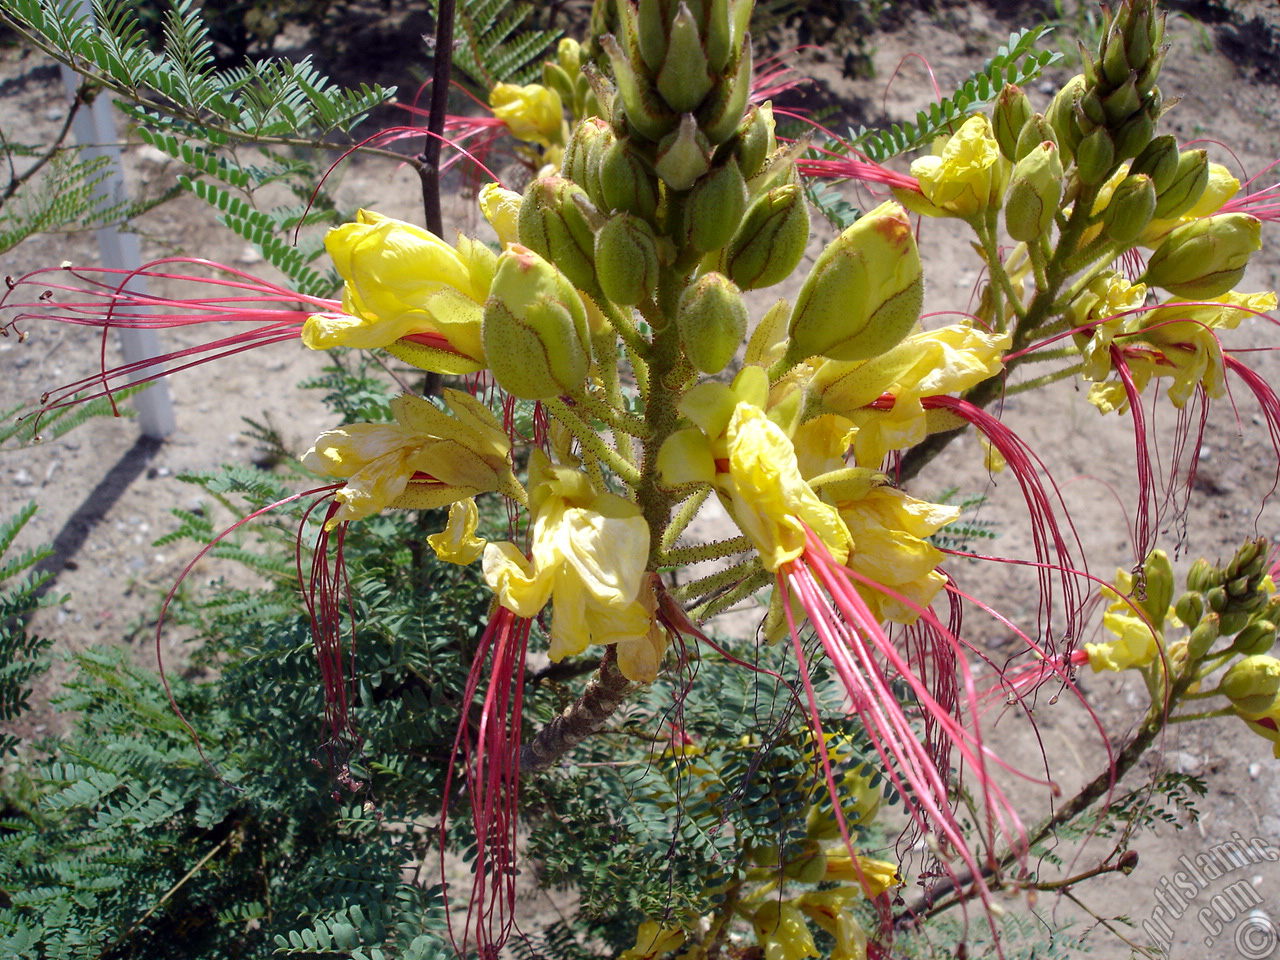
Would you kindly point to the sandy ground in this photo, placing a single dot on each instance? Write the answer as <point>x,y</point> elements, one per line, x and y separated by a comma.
<point>105,495</point>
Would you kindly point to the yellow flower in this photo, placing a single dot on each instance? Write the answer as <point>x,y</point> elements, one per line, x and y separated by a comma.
<point>426,459</point>
<point>782,932</point>
<point>888,528</point>
<point>768,498</point>
<point>405,282</point>
<point>458,542</point>
<point>925,364</point>
<point>874,876</point>
<point>501,207</point>
<point>1268,726</point>
<point>966,174</point>
<point>1137,643</point>
<point>531,113</point>
<point>1178,340</point>
<point>589,552</point>
<point>829,910</point>
<point>654,940</point>
<point>1107,302</point>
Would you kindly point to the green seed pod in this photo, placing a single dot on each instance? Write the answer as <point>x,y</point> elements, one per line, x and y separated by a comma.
<point>557,221</point>
<point>1205,258</point>
<point>1130,209</point>
<point>1186,186</point>
<point>714,208</point>
<point>683,156</point>
<point>1159,161</point>
<point>535,334</point>
<point>771,239</point>
<point>627,259</point>
<point>1255,639</point>
<point>1010,114</point>
<point>627,182</point>
<point>1190,608</point>
<point>712,320</point>
<point>1034,194</point>
<point>864,293</point>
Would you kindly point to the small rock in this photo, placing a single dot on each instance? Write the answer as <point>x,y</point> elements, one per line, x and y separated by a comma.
<point>1206,451</point>
<point>1047,88</point>
<point>1254,770</point>
<point>53,114</point>
<point>23,478</point>
<point>150,154</point>
<point>1184,762</point>
<point>249,256</point>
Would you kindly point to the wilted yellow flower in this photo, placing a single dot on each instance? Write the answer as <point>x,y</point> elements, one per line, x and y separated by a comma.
<point>965,175</point>
<point>402,281</point>
<point>533,112</point>
<point>1108,303</point>
<point>829,910</point>
<point>457,542</point>
<point>425,460</point>
<point>589,553</point>
<point>874,876</point>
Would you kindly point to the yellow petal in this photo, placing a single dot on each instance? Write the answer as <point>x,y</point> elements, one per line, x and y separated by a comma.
<point>458,542</point>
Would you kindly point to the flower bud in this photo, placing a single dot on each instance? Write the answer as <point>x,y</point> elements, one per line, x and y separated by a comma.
<point>1203,636</point>
<point>1133,202</point>
<point>584,138</point>
<point>1205,258</point>
<point>721,112</point>
<point>627,259</point>
<point>1255,639</point>
<point>1217,597</point>
<point>1233,620</point>
<point>1035,191</point>
<point>1037,130</point>
<point>1190,608</point>
<point>809,865</point>
<point>1133,135</point>
<point>1159,161</point>
<point>556,222</point>
<point>864,293</point>
<point>555,77</point>
<point>569,56</point>
<point>1185,187</point>
<point>644,109</point>
<point>626,182</point>
<point>1062,115</point>
<point>1158,572</point>
<point>683,155</point>
<point>966,173</point>
<point>685,77</point>
<point>1202,575</point>
<point>1095,156</point>
<point>1010,115</point>
<point>535,328</point>
<point>1122,102</point>
<point>1251,684</point>
<point>713,320</point>
<point>771,239</point>
<point>756,139</point>
<point>714,208</point>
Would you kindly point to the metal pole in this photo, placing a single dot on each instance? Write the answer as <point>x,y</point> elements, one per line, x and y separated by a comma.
<point>95,131</point>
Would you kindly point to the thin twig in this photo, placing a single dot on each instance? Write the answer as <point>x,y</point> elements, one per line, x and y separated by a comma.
<point>17,180</point>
